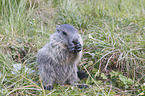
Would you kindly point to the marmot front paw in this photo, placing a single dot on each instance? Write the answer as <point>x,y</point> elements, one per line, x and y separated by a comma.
<point>75,47</point>
<point>78,47</point>
<point>71,47</point>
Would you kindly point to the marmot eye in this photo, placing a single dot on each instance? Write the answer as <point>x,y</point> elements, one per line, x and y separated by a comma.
<point>64,33</point>
<point>57,30</point>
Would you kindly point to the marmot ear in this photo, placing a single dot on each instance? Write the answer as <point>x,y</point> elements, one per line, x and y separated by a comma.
<point>57,28</point>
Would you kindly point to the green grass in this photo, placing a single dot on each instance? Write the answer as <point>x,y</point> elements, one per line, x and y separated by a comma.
<point>113,32</point>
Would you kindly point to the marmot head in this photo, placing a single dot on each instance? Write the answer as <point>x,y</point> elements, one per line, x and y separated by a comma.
<point>67,34</point>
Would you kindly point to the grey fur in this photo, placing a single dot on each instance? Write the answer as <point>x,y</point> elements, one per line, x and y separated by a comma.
<point>56,64</point>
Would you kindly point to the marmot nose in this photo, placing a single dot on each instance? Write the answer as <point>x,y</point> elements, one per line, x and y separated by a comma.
<point>75,41</point>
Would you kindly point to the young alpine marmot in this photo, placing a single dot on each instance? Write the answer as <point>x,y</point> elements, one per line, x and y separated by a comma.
<point>57,60</point>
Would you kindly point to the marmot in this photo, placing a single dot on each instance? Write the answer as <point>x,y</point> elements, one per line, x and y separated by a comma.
<point>57,60</point>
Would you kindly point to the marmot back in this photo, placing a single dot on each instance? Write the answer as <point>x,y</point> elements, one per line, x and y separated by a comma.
<point>57,60</point>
